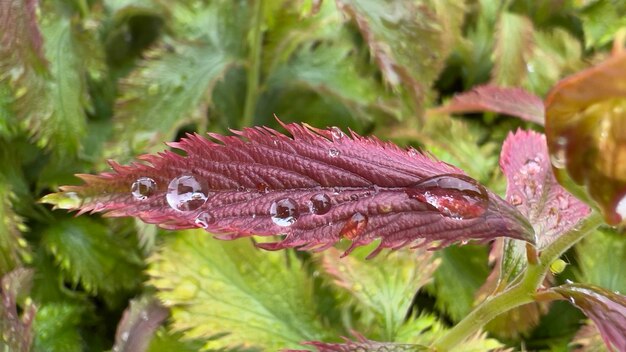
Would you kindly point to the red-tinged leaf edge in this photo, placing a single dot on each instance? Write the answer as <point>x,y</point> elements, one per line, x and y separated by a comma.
<point>502,100</point>
<point>607,310</point>
<point>17,329</point>
<point>262,182</point>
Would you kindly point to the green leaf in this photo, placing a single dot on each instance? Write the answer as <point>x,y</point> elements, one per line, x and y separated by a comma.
<point>333,70</point>
<point>90,254</point>
<point>598,268</point>
<point>52,103</point>
<point>56,328</point>
<point>601,20</point>
<point>168,90</point>
<point>382,288</point>
<point>555,54</point>
<point>467,152</point>
<point>461,272</point>
<point>252,298</point>
<point>165,341</point>
<point>405,38</point>
<point>513,47</point>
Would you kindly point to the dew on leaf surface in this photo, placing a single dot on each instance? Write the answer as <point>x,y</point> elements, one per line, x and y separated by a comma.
<point>336,133</point>
<point>333,152</point>
<point>319,204</point>
<point>186,193</point>
<point>354,227</point>
<point>204,219</point>
<point>143,188</point>
<point>455,196</point>
<point>284,212</point>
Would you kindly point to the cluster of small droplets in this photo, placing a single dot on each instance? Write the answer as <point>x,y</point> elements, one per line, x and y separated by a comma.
<point>526,180</point>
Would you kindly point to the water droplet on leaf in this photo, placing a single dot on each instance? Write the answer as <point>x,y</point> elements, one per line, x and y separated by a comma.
<point>284,212</point>
<point>204,219</point>
<point>354,227</point>
<point>263,187</point>
<point>186,193</point>
<point>455,196</point>
<point>337,133</point>
<point>333,152</point>
<point>515,200</point>
<point>319,204</point>
<point>143,188</point>
<point>620,209</point>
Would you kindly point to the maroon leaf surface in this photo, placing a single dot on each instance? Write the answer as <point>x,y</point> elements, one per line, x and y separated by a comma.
<point>509,101</point>
<point>533,189</point>
<point>315,188</point>
<point>607,310</point>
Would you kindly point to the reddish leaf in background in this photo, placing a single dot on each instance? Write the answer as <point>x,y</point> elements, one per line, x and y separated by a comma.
<point>315,188</point>
<point>509,101</point>
<point>607,310</point>
<point>533,189</point>
<point>586,130</point>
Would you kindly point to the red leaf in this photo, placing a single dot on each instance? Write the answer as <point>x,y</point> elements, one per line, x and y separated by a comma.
<point>607,310</point>
<point>316,187</point>
<point>533,189</point>
<point>508,101</point>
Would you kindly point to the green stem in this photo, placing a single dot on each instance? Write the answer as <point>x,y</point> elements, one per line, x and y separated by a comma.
<point>254,61</point>
<point>519,294</point>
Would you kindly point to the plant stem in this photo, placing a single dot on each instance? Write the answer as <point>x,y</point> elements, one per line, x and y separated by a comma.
<point>519,294</point>
<point>254,62</point>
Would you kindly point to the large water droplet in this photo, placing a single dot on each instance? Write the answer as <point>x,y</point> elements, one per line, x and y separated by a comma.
<point>336,133</point>
<point>319,204</point>
<point>354,227</point>
<point>333,152</point>
<point>186,193</point>
<point>204,219</point>
<point>456,196</point>
<point>143,188</point>
<point>284,212</point>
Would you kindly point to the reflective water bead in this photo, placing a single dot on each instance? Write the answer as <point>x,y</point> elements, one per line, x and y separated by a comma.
<point>456,196</point>
<point>319,204</point>
<point>204,219</point>
<point>336,133</point>
<point>284,212</point>
<point>143,188</point>
<point>186,193</point>
<point>333,152</point>
<point>355,226</point>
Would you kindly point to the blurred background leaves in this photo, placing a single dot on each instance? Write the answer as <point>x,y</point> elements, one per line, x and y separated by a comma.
<point>86,80</point>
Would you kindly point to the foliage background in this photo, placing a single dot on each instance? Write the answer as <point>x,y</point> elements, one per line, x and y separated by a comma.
<point>83,81</point>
